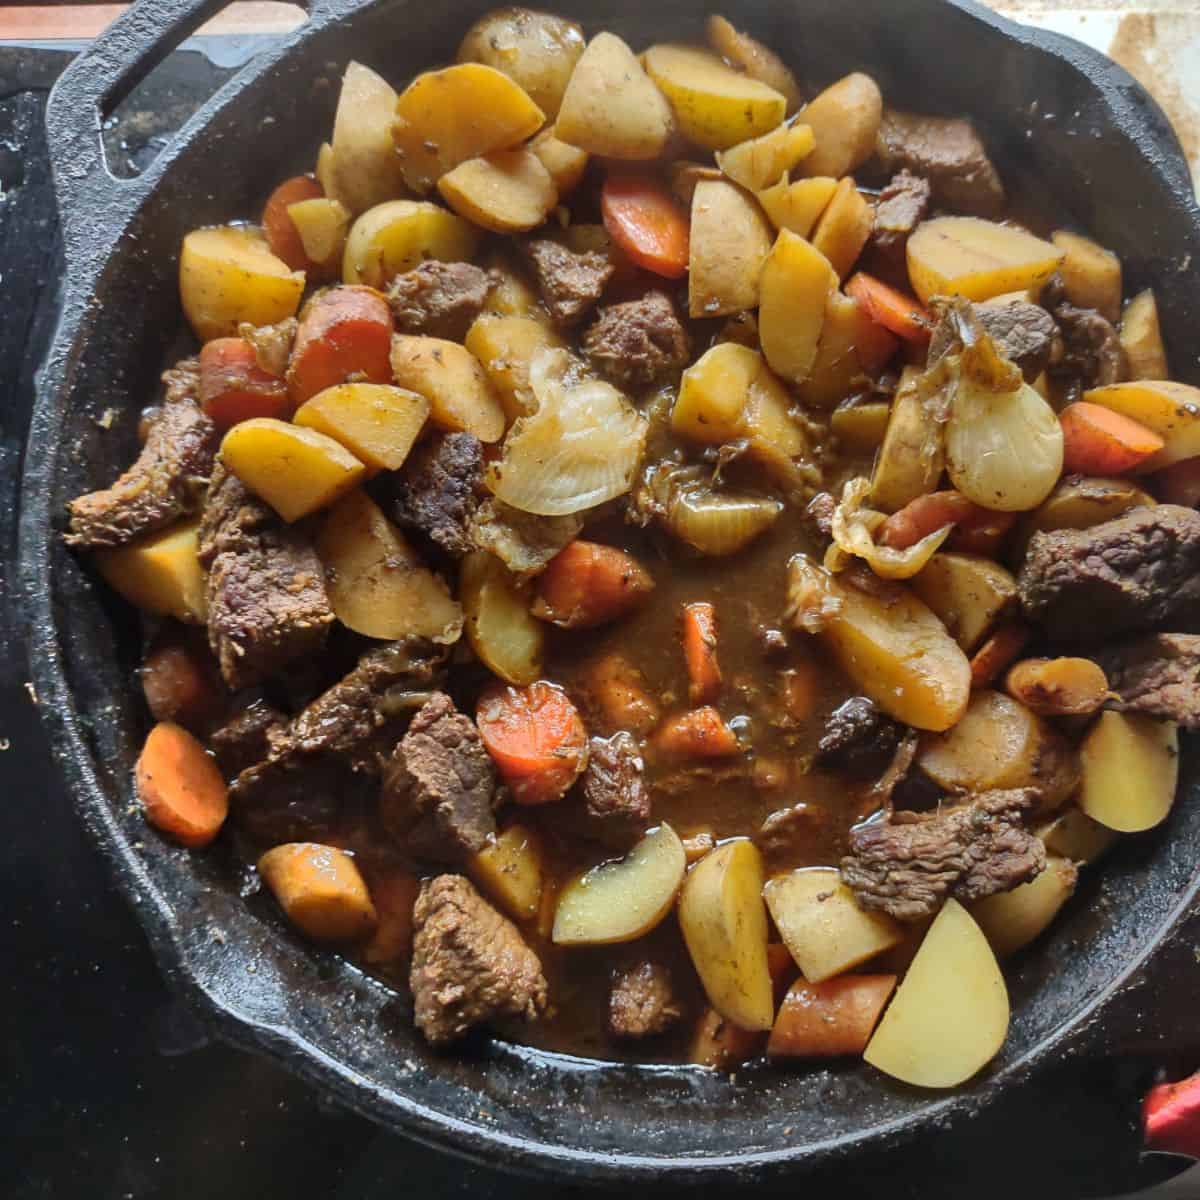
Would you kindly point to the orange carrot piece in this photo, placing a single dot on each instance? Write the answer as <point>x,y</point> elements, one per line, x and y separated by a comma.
<point>615,695</point>
<point>180,679</point>
<point>233,387</point>
<point>344,332</point>
<point>923,516</point>
<point>998,653</point>
<point>1178,483</point>
<point>587,584</point>
<point>180,787</point>
<point>1098,441</point>
<point>722,1045</point>
<point>700,652</point>
<point>874,344</point>
<point>536,739</point>
<point>981,532</point>
<point>895,311</point>
<point>829,1019</point>
<point>1171,1117</point>
<point>393,893</point>
<point>699,733</point>
<point>647,223</point>
<point>281,233</point>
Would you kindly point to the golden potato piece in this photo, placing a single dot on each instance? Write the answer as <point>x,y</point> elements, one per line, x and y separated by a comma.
<point>845,121</point>
<point>508,639</point>
<point>847,337</point>
<point>395,237</point>
<point>822,925</point>
<point>714,105</point>
<point>978,259</point>
<point>445,117</point>
<point>621,901</point>
<point>684,176</point>
<point>1074,835</point>
<point>320,891</point>
<point>795,285</point>
<point>967,592</point>
<point>323,225</point>
<point>749,55</point>
<point>761,161</point>
<point>507,191</point>
<point>1141,338</point>
<point>537,50</point>
<point>511,294</point>
<point>797,206</point>
<point>950,1014</point>
<point>377,585</point>
<point>461,399</point>
<point>510,872</point>
<point>913,457</point>
<point>505,346</point>
<point>565,164</point>
<point>1130,771</point>
<point>227,275</point>
<point>1172,410</point>
<point>1011,920</point>
<point>364,170</point>
<point>1091,275</point>
<point>724,924</point>
<point>1058,687</point>
<point>861,427</point>
<point>377,423</point>
<point>160,572</point>
<point>295,470</point>
<point>1079,502</point>
<point>730,241</point>
<point>844,227</point>
<point>611,106</point>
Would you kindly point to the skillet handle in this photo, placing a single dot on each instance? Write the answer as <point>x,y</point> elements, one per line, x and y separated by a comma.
<point>86,92</point>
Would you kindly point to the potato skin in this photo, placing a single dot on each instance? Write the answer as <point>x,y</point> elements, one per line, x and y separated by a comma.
<point>845,119</point>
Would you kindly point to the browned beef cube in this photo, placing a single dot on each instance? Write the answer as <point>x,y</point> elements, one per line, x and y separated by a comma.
<point>907,865</point>
<point>642,1002</point>
<point>167,481</point>
<point>859,738</point>
<point>247,738</point>
<point>439,488</point>
<point>901,207</point>
<point>1122,576</point>
<point>570,283</point>
<point>1090,354</point>
<point>470,965</point>
<point>267,604</point>
<point>613,787</point>
<point>438,299</point>
<point>638,343</point>
<point>1158,676</point>
<point>439,789</point>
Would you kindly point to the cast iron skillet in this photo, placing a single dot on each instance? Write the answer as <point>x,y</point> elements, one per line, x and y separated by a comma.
<point>1061,118</point>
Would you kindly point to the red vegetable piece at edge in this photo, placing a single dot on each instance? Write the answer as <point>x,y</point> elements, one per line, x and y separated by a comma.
<point>344,332</point>
<point>886,306</point>
<point>1098,441</point>
<point>233,387</point>
<point>1171,1115</point>
<point>280,230</point>
<point>646,221</point>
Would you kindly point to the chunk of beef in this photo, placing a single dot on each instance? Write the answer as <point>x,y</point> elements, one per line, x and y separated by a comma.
<point>901,207</point>
<point>267,604</point>
<point>439,299</point>
<point>1088,352</point>
<point>1024,333</point>
<point>859,739</point>
<point>638,343</point>
<point>524,542</point>
<point>439,488</point>
<point>642,1002</point>
<point>1126,575</point>
<point>793,836</point>
<point>571,284</point>
<point>334,749</point>
<point>439,789</point>
<point>947,152</point>
<point>247,738</point>
<point>820,512</point>
<point>168,479</point>
<point>470,965</point>
<point>907,865</point>
<point>613,788</point>
<point>1158,675</point>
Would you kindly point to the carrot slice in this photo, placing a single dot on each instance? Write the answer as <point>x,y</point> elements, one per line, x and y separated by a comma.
<point>344,332</point>
<point>536,739</point>
<point>700,733</point>
<point>886,306</point>
<point>982,532</point>
<point>923,516</point>
<point>180,787</point>
<point>615,695</point>
<point>998,653</point>
<point>645,221</point>
<point>280,230</point>
<point>829,1019</point>
<point>1171,1114</point>
<point>1099,441</point>
<point>587,584</point>
<point>234,388</point>
<point>700,652</point>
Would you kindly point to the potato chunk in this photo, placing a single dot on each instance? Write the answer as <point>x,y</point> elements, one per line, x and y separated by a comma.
<point>611,106</point>
<point>1172,410</point>
<point>851,346</point>
<point>505,346</point>
<point>507,191</point>
<point>320,891</point>
<point>1141,338</point>
<point>565,164</point>
<point>1072,834</point>
<point>227,275</point>
<point>1079,502</point>
<point>160,572</point>
<point>844,227</point>
<point>794,287</point>
<point>912,457</point>
<point>1011,920</point>
<point>1091,275</point>
<point>716,107</point>
<point>500,627</point>
<point>797,206</point>
<point>323,225</point>
<point>510,871</point>
<point>845,121</point>
<point>461,398</point>
<point>445,117</point>
<point>761,161</point>
<point>822,925</point>
<point>1130,771</point>
<point>730,240</point>
<point>749,55</point>
<point>377,585</point>
<point>295,470</point>
<point>392,238</point>
<point>377,423</point>
<point>364,170</point>
<point>978,259</point>
<point>967,592</point>
<point>724,923</point>
<point>950,1014</point>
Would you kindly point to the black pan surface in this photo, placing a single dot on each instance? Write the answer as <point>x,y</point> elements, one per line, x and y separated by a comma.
<point>1080,138</point>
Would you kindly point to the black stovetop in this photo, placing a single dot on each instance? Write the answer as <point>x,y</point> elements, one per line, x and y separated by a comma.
<point>112,1088</point>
